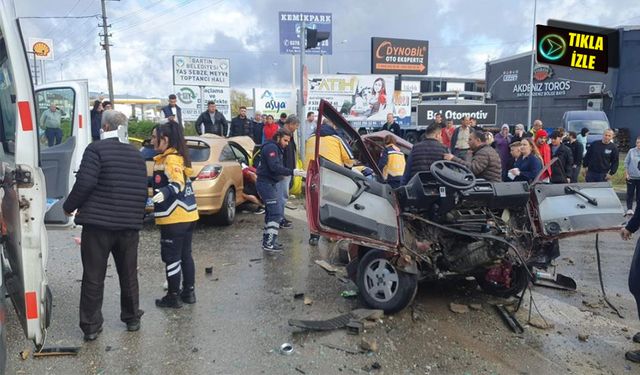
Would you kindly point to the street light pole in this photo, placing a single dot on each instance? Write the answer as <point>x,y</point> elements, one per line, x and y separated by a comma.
<point>533,53</point>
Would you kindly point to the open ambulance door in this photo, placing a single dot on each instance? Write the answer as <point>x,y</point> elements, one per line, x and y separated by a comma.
<point>61,161</point>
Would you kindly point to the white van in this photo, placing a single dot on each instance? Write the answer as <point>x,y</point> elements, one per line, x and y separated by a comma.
<point>30,172</point>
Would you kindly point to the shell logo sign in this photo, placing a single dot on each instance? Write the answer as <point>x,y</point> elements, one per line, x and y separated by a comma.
<point>42,48</point>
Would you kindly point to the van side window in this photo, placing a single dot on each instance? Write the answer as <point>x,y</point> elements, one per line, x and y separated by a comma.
<point>7,103</point>
<point>55,114</point>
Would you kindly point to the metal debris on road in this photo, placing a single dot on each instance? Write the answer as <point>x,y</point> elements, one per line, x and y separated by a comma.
<point>510,319</point>
<point>286,348</point>
<point>327,267</point>
<point>337,322</point>
<point>583,337</point>
<point>298,295</point>
<point>58,351</point>
<point>346,350</point>
<point>208,270</point>
<point>300,370</point>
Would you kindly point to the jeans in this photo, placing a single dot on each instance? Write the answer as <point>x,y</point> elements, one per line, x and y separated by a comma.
<point>95,248</point>
<point>175,251</point>
<point>575,172</point>
<point>53,135</point>
<point>634,276</point>
<point>633,192</point>
<point>595,177</point>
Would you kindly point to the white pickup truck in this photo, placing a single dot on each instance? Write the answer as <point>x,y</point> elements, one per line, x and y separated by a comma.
<point>35,179</point>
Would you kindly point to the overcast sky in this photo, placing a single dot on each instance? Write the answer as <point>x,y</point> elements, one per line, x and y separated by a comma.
<point>462,35</point>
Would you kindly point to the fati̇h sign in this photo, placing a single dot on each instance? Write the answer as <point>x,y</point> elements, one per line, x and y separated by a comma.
<point>399,56</point>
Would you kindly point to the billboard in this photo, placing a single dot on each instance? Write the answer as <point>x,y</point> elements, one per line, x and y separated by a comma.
<point>189,100</point>
<point>290,28</point>
<point>274,101</point>
<point>572,48</point>
<point>200,71</point>
<point>399,56</point>
<point>42,48</point>
<point>485,114</point>
<point>364,100</point>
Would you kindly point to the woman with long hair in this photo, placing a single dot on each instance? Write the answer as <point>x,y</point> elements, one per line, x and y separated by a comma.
<point>175,211</point>
<point>378,99</point>
<point>527,167</point>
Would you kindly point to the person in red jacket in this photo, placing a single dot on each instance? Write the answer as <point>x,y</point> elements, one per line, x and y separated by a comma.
<point>545,151</point>
<point>270,128</point>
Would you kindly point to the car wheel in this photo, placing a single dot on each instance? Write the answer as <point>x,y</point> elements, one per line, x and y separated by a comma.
<point>519,280</point>
<point>228,211</point>
<point>411,137</point>
<point>382,286</point>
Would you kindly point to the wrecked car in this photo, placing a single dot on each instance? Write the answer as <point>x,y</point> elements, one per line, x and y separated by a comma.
<point>446,222</point>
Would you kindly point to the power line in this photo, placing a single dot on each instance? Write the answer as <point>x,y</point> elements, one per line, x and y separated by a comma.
<point>61,17</point>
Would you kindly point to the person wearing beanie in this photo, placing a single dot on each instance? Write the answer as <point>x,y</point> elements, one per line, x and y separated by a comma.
<point>540,140</point>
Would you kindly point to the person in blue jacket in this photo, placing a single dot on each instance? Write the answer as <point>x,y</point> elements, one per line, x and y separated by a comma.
<point>529,165</point>
<point>270,172</point>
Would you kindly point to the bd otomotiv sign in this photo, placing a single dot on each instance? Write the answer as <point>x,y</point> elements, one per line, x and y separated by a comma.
<point>399,56</point>
<point>485,114</point>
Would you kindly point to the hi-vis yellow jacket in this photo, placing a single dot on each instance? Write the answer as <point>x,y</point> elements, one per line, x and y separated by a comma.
<point>392,162</point>
<point>332,148</point>
<point>171,177</point>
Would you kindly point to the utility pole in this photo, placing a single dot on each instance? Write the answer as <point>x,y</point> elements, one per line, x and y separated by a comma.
<point>303,45</point>
<point>533,55</point>
<point>105,34</point>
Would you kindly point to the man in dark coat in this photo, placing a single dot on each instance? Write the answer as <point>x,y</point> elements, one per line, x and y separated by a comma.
<point>110,195</point>
<point>485,161</point>
<point>424,153</point>
<point>172,111</point>
<point>562,168</point>
<point>577,151</point>
<point>241,125</point>
<point>211,121</point>
<point>391,125</point>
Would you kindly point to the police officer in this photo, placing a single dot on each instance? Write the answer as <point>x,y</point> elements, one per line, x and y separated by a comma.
<point>270,172</point>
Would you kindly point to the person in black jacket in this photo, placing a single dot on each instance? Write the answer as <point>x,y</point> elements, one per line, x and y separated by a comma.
<point>601,160</point>
<point>110,195</point>
<point>634,276</point>
<point>562,168</point>
<point>577,151</point>
<point>96,120</point>
<point>289,160</point>
<point>270,172</point>
<point>212,121</point>
<point>424,153</point>
<point>256,128</point>
<point>241,125</point>
<point>172,111</point>
<point>391,125</point>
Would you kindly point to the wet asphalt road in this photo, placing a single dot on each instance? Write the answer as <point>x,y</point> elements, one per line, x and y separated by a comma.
<point>241,316</point>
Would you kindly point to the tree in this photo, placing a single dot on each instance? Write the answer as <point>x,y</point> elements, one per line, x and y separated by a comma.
<point>239,99</point>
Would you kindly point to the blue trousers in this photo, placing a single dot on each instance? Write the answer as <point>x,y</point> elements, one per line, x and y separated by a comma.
<point>634,276</point>
<point>273,202</point>
<point>175,251</point>
<point>54,136</point>
<point>595,177</point>
<point>283,190</point>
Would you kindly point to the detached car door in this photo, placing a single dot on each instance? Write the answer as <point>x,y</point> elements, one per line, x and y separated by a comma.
<point>344,203</point>
<point>24,245</point>
<point>60,162</point>
<point>563,210</point>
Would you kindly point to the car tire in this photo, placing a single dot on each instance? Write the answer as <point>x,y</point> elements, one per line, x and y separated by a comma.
<point>520,282</point>
<point>383,286</point>
<point>227,213</point>
<point>411,137</point>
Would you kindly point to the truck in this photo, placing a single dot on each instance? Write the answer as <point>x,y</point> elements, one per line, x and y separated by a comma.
<point>452,105</point>
<point>35,179</point>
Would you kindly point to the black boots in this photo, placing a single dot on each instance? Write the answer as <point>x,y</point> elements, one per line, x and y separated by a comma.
<point>188,295</point>
<point>171,300</point>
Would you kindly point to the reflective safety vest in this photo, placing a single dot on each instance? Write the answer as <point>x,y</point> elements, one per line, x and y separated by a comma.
<point>171,177</point>
<point>395,162</point>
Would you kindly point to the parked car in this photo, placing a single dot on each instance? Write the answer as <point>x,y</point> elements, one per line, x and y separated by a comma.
<point>446,222</point>
<point>217,179</point>
<point>596,121</point>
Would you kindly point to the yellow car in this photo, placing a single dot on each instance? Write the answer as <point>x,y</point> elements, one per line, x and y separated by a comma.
<point>217,173</point>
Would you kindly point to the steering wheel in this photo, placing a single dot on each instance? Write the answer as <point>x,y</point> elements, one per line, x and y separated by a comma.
<point>453,175</point>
